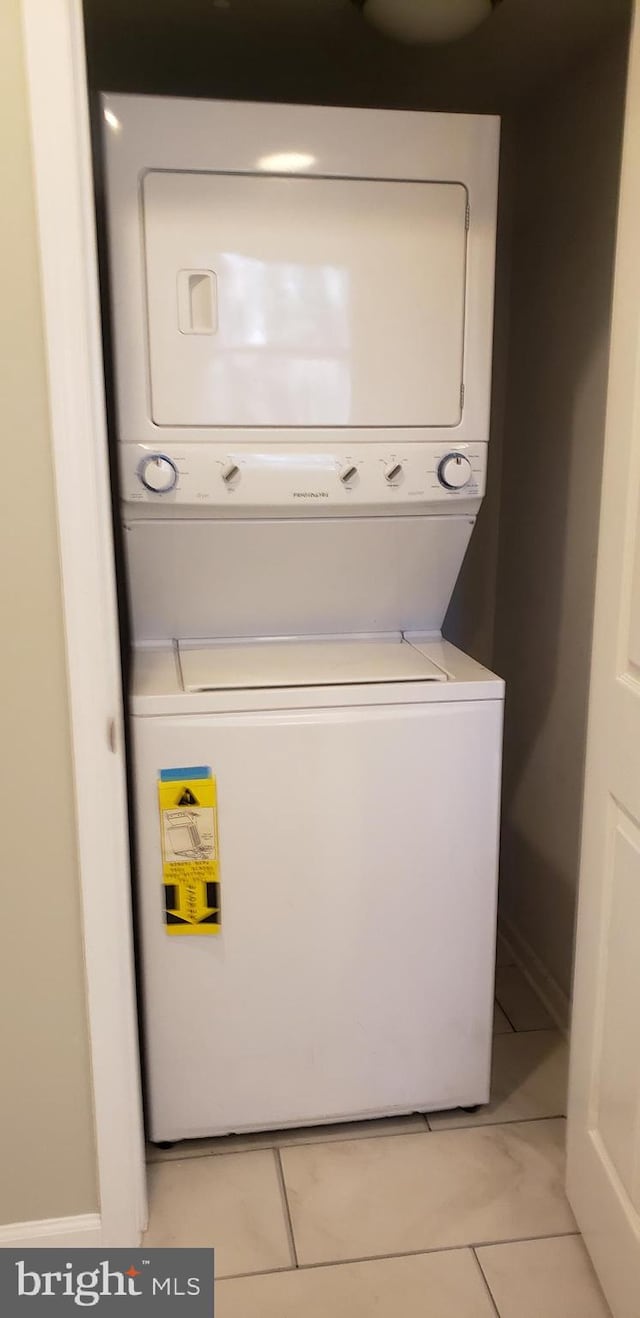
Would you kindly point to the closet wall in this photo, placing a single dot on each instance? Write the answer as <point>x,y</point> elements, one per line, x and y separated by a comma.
<point>566,150</point>
<point>471,617</point>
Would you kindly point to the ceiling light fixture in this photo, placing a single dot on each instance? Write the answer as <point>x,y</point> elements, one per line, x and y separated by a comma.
<point>435,21</point>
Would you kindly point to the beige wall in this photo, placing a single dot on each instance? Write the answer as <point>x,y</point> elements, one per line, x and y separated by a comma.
<point>47,1161</point>
<point>567,147</point>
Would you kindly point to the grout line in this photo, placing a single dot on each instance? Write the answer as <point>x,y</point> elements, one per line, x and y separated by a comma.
<point>537,1029</point>
<point>522,1240</point>
<point>292,1144</point>
<point>437,1249</point>
<point>345,1139</point>
<point>541,983</point>
<point>262,1272</point>
<point>506,1013</point>
<point>345,1263</point>
<point>285,1205</point>
<point>553,1024</point>
<point>405,1253</point>
<point>499,1121</point>
<point>485,1283</point>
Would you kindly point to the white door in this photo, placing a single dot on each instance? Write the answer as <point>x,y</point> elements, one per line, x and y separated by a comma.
<point>304,301</point>
<point>604,1108</point>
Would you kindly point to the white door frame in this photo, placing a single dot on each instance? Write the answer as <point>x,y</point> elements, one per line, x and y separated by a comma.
<point>57,91</point>
<point>603,1146</point>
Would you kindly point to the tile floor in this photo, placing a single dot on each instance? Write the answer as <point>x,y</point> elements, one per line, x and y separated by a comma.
<point>454,1215</point>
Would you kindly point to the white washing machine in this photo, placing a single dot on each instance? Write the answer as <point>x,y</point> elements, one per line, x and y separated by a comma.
<point>302,311</point>
<point>358,788</point>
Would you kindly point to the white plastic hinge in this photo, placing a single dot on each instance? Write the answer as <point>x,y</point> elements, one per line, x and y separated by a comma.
<point>112,735</point>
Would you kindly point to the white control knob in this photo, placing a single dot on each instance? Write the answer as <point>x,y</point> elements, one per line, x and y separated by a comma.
<point>158,473</point>
<point>454,471</point>
<point>230,472</point>
<point>348,473</point>
<point>393,472</point>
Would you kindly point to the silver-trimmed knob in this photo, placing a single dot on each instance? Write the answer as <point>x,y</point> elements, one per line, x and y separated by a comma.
<point>158,473</point>
<point>454,472</point>
<point>230,473</point>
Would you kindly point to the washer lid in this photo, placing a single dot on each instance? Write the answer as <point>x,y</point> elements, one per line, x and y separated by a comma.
<point>257,664</point>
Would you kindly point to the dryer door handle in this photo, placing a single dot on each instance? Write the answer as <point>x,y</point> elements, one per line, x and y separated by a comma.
<point>197,301</point>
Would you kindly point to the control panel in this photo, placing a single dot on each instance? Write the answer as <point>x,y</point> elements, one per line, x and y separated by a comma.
<point>282,476</point>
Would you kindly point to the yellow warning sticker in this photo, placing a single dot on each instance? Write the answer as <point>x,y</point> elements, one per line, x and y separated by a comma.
<point>189,839</point>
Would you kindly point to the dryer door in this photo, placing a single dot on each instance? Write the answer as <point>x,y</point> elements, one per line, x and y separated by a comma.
<point>304,301</point>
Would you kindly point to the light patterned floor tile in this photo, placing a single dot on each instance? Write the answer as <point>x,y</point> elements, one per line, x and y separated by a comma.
<point>362,1198</point>
<point>447,1285</point>
<point>269,1139</point>
<point>500,1023</point>
<point>234,1204</point>
<point>528,1079</point>
<point>517,998</point>
<point>543,1279</point>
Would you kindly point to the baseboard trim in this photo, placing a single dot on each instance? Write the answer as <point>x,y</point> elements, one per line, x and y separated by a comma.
<point>541,980</point>
<point>53,1232</point>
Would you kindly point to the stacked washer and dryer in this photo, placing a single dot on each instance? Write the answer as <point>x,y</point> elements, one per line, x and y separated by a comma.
<point>302,305</point>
